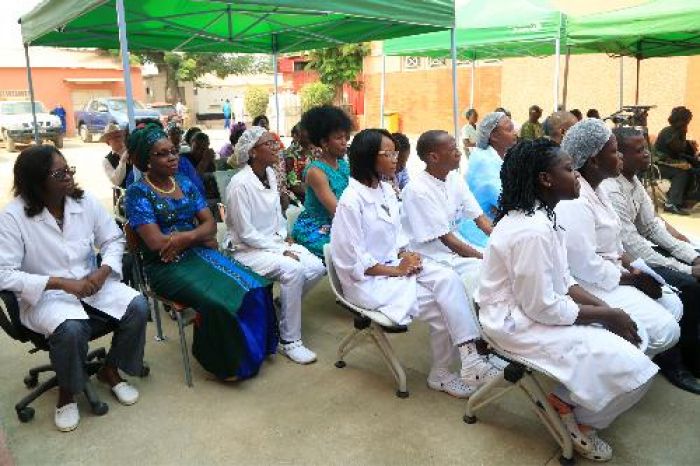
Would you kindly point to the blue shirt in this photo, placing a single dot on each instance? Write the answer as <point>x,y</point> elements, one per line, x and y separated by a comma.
<point>184,168</point>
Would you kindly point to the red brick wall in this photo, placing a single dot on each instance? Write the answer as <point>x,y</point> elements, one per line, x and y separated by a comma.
<point>423,98</point>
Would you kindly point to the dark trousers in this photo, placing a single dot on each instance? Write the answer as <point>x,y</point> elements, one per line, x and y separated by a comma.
<point>689,287</point>
<point>68,344</point>
<point>679,184</point>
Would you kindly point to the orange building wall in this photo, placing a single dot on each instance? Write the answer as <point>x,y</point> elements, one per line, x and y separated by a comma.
<point>693,96</point>
<point>423,98</point>
<point>51,88</point>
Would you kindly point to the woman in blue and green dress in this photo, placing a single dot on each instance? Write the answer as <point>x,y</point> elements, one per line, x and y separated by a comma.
<point>326,177</point>
<point>236,329</point>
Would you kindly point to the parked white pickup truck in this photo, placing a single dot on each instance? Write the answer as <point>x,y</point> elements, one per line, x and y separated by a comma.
<point>17,124</point>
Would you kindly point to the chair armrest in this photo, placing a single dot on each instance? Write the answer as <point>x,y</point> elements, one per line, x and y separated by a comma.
<point>9,316</point>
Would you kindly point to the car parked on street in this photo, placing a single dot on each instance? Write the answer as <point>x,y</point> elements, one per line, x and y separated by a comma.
<point>98,113</point>
<point>17,124</point>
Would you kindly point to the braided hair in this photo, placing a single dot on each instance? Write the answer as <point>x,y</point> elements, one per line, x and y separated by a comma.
<point>520,177</point>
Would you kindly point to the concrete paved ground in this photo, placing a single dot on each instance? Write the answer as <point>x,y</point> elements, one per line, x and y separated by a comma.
<point>315,414</point>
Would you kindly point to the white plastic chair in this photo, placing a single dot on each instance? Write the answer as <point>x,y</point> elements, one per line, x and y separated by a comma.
<point>521,374</point>
<point>367,323</point>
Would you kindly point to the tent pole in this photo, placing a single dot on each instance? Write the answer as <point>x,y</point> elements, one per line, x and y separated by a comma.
<point>471,93</point>
<point>636,92</point>
<point>126,66</point>
<point>276,73</point>
<point>455,97</point>
<point>622,78</point>
<point>31,94</point>
<point>382,88</point>
<point>557,56</point>
<point>565,91</point>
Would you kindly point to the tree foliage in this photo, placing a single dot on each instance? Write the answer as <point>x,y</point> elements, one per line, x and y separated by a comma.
<point>255,100</point>
<point>315,94</point>
<point>339,65</point>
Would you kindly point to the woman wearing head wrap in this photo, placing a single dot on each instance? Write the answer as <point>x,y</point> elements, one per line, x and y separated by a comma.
<point>495,135</point>
<point>257,233</point>
<point>237,326</point>
<point>594,249</point>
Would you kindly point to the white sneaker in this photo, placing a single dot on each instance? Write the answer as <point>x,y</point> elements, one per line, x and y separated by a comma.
<point>67,417</point>
<point>479,371</point>
<point>126,393</point>
<point>297,352</point>
<point>599,450</point>
<point>445,381</point>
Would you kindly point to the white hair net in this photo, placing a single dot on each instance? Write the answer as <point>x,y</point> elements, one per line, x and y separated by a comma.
<point>244,146</point>
<point>585,139</point>
<point>486,127</point>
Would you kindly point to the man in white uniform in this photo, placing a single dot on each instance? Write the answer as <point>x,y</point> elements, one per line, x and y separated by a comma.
<point>434,203</point>
<point>258,236</point>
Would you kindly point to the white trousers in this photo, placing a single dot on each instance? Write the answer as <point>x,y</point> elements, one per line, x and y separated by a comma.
<point>604,417</point>
<point>468,269</point>
<point>445,307</point>
<point>295,277</point>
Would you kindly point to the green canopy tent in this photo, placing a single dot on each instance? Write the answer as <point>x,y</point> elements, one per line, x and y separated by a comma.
<point>659,28</point>
<point>492,29</point>
<point>243,26</point>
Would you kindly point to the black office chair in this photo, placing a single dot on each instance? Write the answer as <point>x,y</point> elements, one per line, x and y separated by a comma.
<point>10,323</point>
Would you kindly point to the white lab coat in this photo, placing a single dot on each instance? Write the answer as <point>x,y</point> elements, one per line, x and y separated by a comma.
<point>365,234</point>
<point>594,250</point>
<point>526,310</point>
<point>257,232</point>
<point>34,249</point>
<point>432,208</point>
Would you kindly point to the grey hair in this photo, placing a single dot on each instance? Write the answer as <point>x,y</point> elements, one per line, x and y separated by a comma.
<point>486,127</point>
<point>554,121</point>
<point>585,139</point>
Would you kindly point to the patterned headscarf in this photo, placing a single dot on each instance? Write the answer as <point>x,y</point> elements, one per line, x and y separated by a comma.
<point>585,139</point>
<point>142,141</point>
<point>245,144</point>
<point>486,127</point>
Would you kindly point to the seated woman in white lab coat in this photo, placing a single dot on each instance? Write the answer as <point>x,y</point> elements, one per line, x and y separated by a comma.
<point>48,237</point>
<point>257,233</point>
<point>378,272</point>
<point>594,242</point>
<point>531,306</point>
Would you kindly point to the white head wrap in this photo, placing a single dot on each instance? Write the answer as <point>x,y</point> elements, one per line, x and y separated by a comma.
<point>244,146</point>
<point>486,127</point>
<point>585,139</point>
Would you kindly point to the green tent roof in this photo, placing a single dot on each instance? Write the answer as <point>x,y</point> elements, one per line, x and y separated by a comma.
<point>659,28</point>
<point>231,25</point>
<point>489,29</point>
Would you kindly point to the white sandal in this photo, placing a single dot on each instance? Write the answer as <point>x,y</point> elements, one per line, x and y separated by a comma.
<point>125,393</point>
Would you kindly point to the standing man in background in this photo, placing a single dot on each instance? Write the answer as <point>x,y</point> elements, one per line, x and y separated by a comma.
<point>227,114</point>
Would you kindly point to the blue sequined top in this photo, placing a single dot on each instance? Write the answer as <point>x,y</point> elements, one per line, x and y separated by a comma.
<point>338,181</point>
<point>144,205</point>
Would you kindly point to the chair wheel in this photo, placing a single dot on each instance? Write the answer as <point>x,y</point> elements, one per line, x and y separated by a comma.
<point>145,371</point>
<point>567,461</point>
<point>31,381</point>
<point>469,419</point>
<point>401,394</point>
<point>340,364</point>
<point>25,414</point>
<point>100,408</point>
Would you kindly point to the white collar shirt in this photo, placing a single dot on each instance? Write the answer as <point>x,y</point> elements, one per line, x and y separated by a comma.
<point>253,212</point>
<point>432,208</point>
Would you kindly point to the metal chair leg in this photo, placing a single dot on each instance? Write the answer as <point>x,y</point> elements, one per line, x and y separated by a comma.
<point>184,350</point>
<point>485,396</point>
<point>347,344</point>
<point>387,351</point>
<point>155,312</point>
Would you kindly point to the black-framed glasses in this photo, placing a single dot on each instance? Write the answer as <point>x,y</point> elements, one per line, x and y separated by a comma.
<point>393,155</point>
<point>62,173</point>
<point>175,152</point>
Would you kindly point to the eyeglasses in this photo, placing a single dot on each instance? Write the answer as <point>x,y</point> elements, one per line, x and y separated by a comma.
<point>62,173</point>
<point>392,155</point>
<point>167,153</point>
<point>270,144</point>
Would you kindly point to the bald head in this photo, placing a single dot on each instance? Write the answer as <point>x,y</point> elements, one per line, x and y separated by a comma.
<point>557,124</point>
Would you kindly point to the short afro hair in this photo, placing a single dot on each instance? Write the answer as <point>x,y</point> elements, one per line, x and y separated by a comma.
<point>321,122</point>
<point>402,142</point>
<point>680,116</point>
<point>428,141</point>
